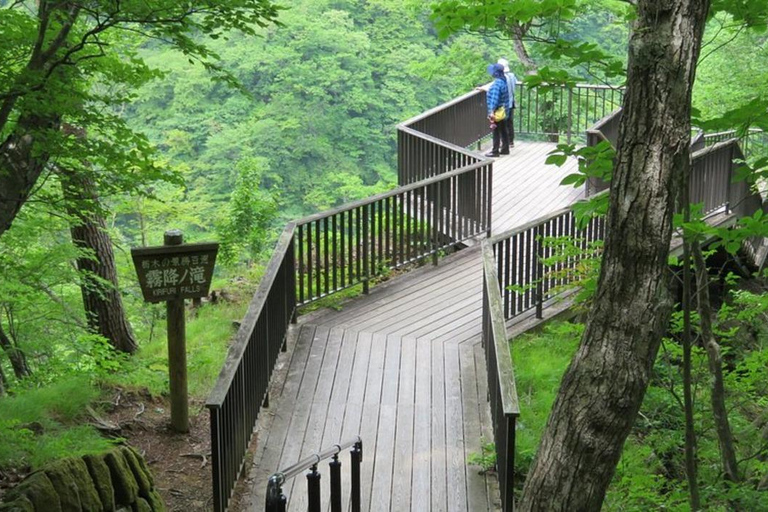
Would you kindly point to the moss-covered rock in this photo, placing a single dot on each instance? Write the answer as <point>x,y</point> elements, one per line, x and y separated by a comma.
<point>102,480</point>
<point>145,484</point>
<point>142,465</point>
<point>123,481</point>
<point>63,481</point>
<point>141,505</point>
<point>156,501</point>
<point>89,496</point>
<point>20,504</point>
<point>39,490</point>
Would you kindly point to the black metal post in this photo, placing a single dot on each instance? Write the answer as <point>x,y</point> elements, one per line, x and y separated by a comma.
<point>335,466</point>
<point>539,271</point>
<point>356,454</point>
<point>276,501</point>
<point>313,489</point>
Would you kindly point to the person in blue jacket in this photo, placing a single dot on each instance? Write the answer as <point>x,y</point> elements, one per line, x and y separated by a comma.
<point>511,83</point>
<point>498,96</point>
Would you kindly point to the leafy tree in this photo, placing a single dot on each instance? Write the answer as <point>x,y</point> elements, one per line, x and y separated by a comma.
<point>604,386</point>
<point>57,51</point>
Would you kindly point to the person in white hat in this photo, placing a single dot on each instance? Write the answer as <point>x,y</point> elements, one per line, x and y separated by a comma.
<point>511,82</point>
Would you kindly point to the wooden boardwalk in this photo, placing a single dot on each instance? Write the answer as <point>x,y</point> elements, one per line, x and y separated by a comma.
<point>403,367</point>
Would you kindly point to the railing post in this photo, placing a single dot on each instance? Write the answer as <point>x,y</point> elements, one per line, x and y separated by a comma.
<point>356,456</point>
<point>313,489</point>
<point>538,272</point>
<point>276,501</point>
<point>510,470</point>
<point>366,263</point>
<point>570,114</point>
<point>730,176</point>
<point>335,466</point>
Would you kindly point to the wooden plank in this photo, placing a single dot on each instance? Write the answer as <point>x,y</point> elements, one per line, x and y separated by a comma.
<point>354,407</point>
<point>454,431</point>
<point>303,405</point>
<point>438,460</point>
<point>403,464</point>
<point>381,493</point>
<point>319,410</point>
<point>369,426</point>
<point>477,496</point>
<point>421,485</point>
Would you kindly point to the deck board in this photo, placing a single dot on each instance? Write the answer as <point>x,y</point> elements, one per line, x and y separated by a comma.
<point>404,368</point>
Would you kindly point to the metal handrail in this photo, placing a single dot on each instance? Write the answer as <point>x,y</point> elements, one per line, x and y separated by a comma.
<point>276,501</point>
<point>394,192</point>
<point>314,459</point>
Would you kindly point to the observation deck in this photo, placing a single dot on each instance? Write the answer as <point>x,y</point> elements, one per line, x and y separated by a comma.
<point>449,263</point>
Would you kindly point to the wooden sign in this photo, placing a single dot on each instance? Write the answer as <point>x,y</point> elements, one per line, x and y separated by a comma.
<point>172,272</point>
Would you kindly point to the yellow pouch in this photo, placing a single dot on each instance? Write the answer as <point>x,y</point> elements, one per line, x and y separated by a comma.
<point>500,114</point>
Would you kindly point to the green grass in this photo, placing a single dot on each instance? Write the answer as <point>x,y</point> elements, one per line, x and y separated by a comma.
<point>540,361</point>
<point>41,424</point>
<point>208,337</point>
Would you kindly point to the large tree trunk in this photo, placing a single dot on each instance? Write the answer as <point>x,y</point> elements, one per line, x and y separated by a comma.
<point>602,390</point>
<point>21,164</point>
<point>15,355</point>
<point>101,297</point>
<point>719,410</point>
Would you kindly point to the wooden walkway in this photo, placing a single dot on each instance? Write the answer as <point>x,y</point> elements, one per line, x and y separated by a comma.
<point>404,368</point>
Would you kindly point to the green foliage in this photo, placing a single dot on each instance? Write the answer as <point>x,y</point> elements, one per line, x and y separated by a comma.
<point>540,361</point>
<point>651,472</point>
<point>249,213</point>
<point>38,425</point>
<point>486,459</point>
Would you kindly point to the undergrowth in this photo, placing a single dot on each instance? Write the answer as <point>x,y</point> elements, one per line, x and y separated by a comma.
<point>49,417</point>
<point>651,472</point>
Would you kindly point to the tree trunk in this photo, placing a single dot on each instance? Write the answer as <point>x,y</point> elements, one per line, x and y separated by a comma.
<point>15,355</point>
<point>101,294</point>
<point>518,33</point>
<point>21,164</point>
<point>719,410</point>
<point>602,390</point>
<point>691,463</point>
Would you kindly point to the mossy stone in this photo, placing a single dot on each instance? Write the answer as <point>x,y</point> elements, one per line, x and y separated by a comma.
<point>143,465</point>
<point>126,488</point>
<point>145,484</point>
<point>156,501</point>
<point>102,480</point>
<point>66,487</point>
<point>39,490</point>
<point>89,496</point>
<point>141,505</point>
<point>20,504</point>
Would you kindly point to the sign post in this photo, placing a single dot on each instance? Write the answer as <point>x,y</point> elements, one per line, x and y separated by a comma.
<point>171,273</point>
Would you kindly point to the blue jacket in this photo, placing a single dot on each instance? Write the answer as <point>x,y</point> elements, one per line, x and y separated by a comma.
<point>497,95</point>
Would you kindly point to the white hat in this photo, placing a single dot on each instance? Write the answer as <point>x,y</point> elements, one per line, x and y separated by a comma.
<point>505,63</point>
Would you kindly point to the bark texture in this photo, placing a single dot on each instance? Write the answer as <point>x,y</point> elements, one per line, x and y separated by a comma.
<point>101,297</point>
<point>604,386</point>
<point>717,391</point>
<point>15,356</point>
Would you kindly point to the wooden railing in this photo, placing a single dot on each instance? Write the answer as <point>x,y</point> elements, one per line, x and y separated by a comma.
<point>358,242</point>
<point>431,143</point>
<point>519,254</point>
<point>242,385</point>
<point>502,393</point>
<point>446,201</point>
<point>563,111</point>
